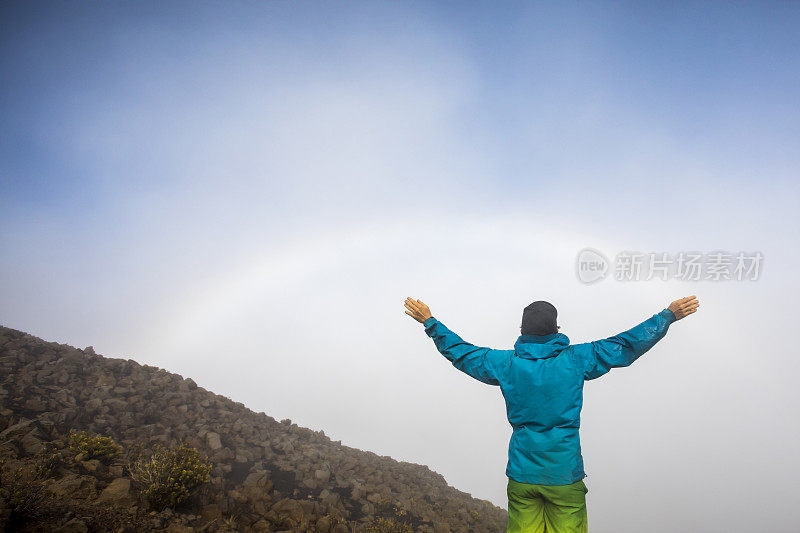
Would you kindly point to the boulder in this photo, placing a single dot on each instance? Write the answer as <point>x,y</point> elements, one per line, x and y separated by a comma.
<point>32,443</point>
<point>76,525</point>
<point>261,525</point>
<point>17,430</point>
<point>35,404</point>
<point>323,525</point>
<point>90,465</point>
<point>290,507</point>
<point>213,441</point>
<point>118,492</point>
<point>73,358</point>
<point>73,486</point>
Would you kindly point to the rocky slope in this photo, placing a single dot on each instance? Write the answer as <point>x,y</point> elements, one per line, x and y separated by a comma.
<point>267,475</point>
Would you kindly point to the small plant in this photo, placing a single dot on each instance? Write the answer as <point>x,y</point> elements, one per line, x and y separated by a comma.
<point>46,461</point>
<point>93,446</point>
<point>229,522</point>
<point>475,514</point>
<point>23,491</point>
<point>168,477</point>
<point>335,520</point>
<point>383,505</point>
<point>281,522</point>
<point>390,518</point>
<point>388,525</point>
<point>435,506</point>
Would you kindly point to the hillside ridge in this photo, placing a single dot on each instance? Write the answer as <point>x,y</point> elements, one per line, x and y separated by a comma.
<point>267,475</point>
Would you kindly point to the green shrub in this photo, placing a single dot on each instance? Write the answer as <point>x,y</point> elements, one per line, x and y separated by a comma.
<point>46,461</point>
<point>335,520</point>
<point>168,477</point>
<point>93,446</point>
<point>23,490</point>
<point>383,505</point>
<point>388,525</point>
<point>389,518</point>
<point>282,522</point>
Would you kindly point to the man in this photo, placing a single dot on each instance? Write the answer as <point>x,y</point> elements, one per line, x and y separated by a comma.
<point>542,382</point>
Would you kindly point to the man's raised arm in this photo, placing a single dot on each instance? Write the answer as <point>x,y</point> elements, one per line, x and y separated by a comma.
<point>475,361</point>
<point>599,357</point>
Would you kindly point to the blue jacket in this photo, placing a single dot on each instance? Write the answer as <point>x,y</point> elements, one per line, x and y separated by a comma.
<point>542,382</point>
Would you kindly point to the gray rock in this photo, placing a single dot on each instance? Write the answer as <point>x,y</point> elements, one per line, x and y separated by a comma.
<point>323,525</point>
<point>76,525</point>
<point>118,492</point>
<point>91,465</point>
<point>213,441</point>
<point>17,429</point>
<point>32,443</point>
<point>73,358</point>
<point>74,486</point>
<point>36,405</point>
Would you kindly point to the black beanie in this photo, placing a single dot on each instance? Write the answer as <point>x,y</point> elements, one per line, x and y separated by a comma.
<point>539,318</point>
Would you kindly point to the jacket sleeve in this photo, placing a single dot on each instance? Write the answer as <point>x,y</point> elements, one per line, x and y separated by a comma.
<point>472,360</point>
<point>597,358</point>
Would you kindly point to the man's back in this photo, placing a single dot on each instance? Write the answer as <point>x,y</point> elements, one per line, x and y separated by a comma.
<point>542,382</point>
<point>543,389</point>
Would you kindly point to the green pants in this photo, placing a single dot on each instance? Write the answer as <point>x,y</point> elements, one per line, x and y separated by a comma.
<point>547,508</point>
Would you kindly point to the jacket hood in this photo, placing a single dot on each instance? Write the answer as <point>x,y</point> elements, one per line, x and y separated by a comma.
<point>540,346</point>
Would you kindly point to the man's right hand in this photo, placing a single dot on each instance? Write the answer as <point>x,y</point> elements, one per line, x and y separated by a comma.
<point>417,310</point>
<point>684,307</point>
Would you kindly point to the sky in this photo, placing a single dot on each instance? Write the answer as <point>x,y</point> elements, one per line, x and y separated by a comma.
<point>244,193</point>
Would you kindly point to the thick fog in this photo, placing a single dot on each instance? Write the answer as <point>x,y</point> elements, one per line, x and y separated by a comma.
<point>245,194</point>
